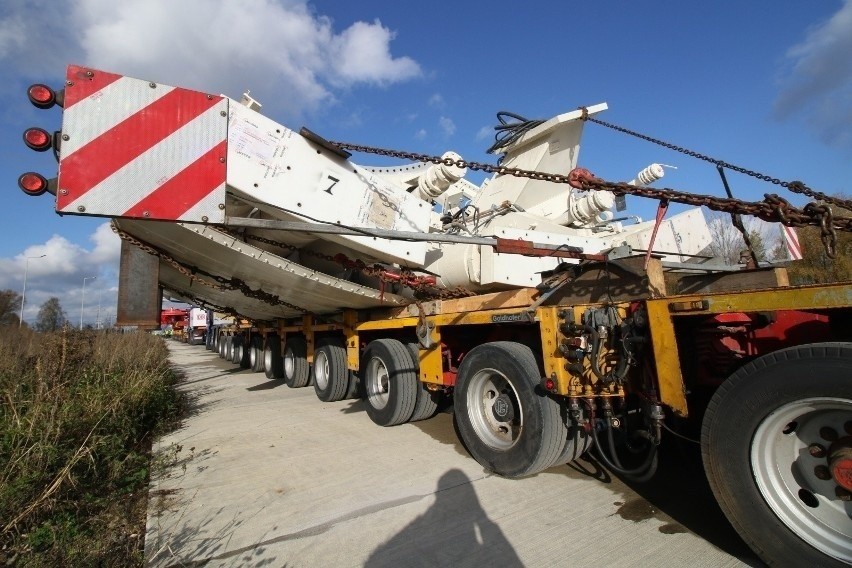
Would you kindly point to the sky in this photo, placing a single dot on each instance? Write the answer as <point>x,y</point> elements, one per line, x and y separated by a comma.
<point>765,85</point>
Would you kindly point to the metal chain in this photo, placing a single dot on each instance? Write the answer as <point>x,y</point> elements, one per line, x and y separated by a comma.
<point>794,186</point>
<point>772,209</point>
<point>423,287</point>
<point>189,272</point>
<point>223,283</point>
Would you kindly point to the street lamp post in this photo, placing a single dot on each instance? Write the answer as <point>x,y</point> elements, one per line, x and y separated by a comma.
<point>83,298</point>
<point>24,292</point>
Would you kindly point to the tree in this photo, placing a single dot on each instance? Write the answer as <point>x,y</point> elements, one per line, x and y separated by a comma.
<point>10,305</point>
<point>51,316</point>
<point>728,244</point>
<point>816,267</point>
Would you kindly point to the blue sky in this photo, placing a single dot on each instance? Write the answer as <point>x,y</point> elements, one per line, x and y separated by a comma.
<point>764,85</point>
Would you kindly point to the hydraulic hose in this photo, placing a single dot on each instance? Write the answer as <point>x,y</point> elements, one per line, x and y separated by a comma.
<point>640,474</point>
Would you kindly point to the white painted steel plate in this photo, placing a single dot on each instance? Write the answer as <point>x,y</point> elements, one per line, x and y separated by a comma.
<point>223,255</point>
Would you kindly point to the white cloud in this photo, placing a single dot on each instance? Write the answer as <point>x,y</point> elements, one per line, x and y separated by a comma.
<point>61,271</point>
<point>420,134</point>
<point>818,83</point>
<point>447,125</point>
<point>361,54</point>
<point>436,101</point>
<point>485,132</point>
<point>291,57</point>
<point>11,35</point>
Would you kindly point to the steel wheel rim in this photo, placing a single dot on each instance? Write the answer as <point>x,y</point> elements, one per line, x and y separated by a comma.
<point>321,370</point>
<point>784,472</point>
<point>482,394</point>
<point>377,383</point>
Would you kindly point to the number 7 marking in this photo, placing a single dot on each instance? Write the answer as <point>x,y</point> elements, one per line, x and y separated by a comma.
<point>334,181</point>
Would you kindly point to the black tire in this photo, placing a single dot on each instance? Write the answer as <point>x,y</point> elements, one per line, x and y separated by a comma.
<point>236,349</point>
<point>256,354</point>
<point>755,442</point>
<point>273,366</point>
<point>389,382</point>
<point>426,404</point>
<point>331,375</point>
<point>353,389</point>
<point>297,372</point>
<point>506,421</point>
<point>243,358</point>
<point>229,348</point>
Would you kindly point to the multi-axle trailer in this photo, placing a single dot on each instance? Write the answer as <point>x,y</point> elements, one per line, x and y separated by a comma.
<point>528,309</point>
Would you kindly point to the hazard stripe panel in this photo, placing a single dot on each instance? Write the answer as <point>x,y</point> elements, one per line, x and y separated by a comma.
<point>132,148</point>
<point>81,83</point>
<point>176,196</point>
<point>112,105</point>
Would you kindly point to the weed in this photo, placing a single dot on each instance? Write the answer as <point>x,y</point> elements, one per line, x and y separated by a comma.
<point>78,411</point>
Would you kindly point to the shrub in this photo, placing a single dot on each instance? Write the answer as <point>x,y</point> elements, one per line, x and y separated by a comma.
<point>78,411</point>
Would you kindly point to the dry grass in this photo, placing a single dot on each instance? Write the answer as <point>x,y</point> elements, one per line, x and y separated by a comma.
<point>77,414</point>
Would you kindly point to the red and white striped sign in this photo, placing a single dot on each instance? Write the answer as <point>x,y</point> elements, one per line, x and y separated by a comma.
<point>131,148</point>
<point>791,240</point>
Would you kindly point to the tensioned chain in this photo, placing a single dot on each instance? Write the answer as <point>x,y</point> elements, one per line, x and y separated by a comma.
<point>189,273</point>
<point>773,208</point>
<point>794,186</point>
<point>421,286</point>
<point>223,283</point>
<point>795,217</point>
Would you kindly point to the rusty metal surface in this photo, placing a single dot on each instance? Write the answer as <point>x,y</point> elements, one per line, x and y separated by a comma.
<point>139,294</point>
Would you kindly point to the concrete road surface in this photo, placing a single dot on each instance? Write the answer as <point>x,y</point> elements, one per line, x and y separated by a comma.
<point>264,475</point>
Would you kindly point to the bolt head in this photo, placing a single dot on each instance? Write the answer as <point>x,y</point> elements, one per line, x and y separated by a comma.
<point>816,450</point>
<point>822,472</point>
<point>81,209</point>
<point>66,137</point>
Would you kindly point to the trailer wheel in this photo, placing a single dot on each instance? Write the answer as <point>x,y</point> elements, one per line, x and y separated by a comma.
<point>237,349</point>
<point>256,354</point>
<point>331,376</point>
<point>297,372</point>
<point>229,348</point>
<point>389,382</point>
<point>426,404</point>
<point>776,443</point>
<point>273,366</point>
<point>507,422</point>
<point>244,360</point>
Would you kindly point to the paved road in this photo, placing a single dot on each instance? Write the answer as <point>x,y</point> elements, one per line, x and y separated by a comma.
<point>264,475</point>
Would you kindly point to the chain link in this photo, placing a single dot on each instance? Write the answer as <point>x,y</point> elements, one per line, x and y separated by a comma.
<point>423,287</point>
<point>223,283</point>
<point>794,186</point>
<point>772,209</point>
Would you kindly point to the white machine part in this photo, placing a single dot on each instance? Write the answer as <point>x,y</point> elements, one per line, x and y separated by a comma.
<point>254,167</point>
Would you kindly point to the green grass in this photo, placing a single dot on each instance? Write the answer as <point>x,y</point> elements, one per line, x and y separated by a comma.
<point>78,411</point>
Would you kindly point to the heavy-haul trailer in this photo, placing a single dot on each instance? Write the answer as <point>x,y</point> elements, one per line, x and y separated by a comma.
<point>570,342</point>
<point>763,375</point>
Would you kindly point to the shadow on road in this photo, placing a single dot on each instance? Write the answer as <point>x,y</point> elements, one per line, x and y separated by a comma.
<point>455,531</point>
